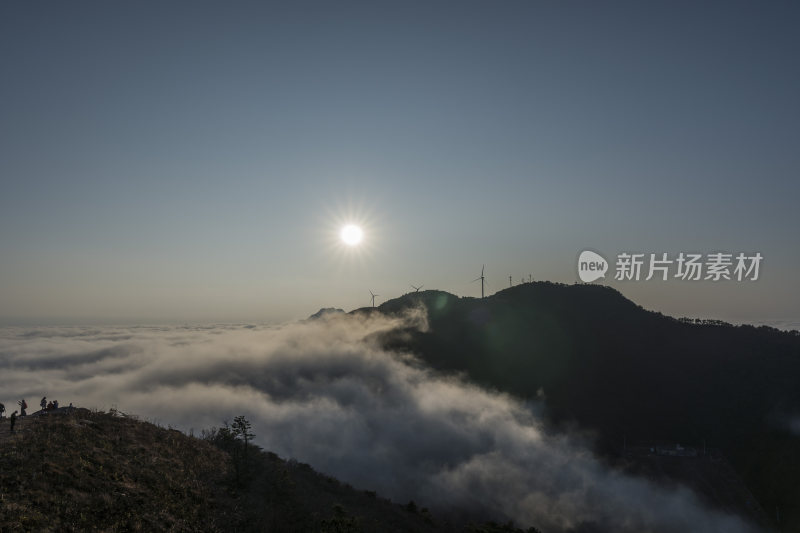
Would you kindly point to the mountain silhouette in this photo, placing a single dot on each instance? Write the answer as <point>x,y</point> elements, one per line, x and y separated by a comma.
<point>629,375</point>
<point>325,311</point>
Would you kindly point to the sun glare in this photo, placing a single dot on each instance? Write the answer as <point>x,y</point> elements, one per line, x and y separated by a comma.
<point>351,235</point>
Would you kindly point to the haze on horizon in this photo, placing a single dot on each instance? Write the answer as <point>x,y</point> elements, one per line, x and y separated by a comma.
<point>196,162</point>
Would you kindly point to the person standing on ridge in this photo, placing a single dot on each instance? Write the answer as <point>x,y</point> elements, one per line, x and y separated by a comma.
<point>22,406</point>
<point>43,403</point>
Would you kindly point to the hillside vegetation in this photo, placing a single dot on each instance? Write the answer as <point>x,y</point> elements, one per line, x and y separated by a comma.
<point>95,471</point>
<point>88,470</point>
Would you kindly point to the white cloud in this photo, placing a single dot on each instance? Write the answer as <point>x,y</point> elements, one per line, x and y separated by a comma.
<point>325,393</point>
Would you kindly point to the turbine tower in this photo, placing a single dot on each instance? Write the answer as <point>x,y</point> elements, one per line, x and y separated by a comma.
<point>416,289</point>
<point>480,278</point>
<point>373,297</point>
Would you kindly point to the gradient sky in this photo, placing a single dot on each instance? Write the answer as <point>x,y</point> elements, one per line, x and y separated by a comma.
<point>193,161</point>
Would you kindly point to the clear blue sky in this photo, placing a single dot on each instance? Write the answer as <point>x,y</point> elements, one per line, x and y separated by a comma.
<point>194,160</point>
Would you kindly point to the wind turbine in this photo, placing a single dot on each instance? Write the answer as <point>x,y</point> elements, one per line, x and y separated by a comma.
<point>480,278</point>
<point>373,298</point>
<point>416,289</point>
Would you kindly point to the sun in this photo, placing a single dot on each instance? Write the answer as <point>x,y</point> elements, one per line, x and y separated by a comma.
<point>351,235</point>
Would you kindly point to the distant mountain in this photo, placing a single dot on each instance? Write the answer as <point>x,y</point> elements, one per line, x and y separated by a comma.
<point>325,311</point>
<point>630,375</point>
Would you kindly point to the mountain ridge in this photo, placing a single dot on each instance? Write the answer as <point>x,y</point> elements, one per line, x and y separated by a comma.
<point>605,364</point>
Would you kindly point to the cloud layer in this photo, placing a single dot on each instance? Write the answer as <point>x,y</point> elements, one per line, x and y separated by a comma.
<point>324,392</point>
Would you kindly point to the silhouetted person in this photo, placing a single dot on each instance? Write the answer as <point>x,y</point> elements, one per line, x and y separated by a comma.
<point>13,420</point>
<point>2,410</point>
<point>55,404</point>
<point>22,406</point>
<point>43,402</point>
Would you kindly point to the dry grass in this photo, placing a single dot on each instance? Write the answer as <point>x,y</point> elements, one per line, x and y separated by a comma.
<point>107,472</point>
<point>93,471</point>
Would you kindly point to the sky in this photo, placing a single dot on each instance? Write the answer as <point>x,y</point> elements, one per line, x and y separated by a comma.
<point>194,161</point>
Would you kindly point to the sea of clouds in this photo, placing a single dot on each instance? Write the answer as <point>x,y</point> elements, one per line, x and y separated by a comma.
<point>324,392</point>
